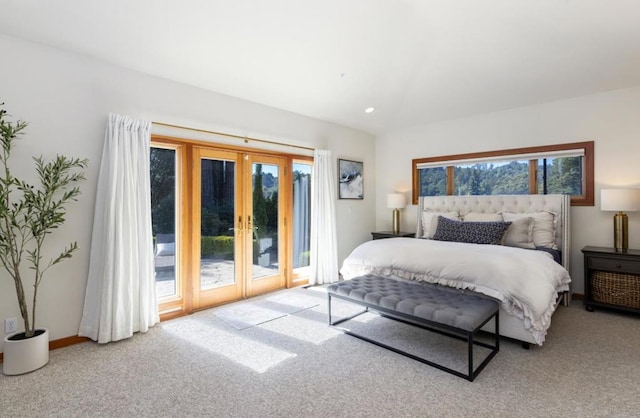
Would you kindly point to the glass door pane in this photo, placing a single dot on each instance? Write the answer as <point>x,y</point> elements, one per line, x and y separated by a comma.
<point>237,226</point>
<point>163,220</point>
<point>264,249</point>
<point>265,182</point>
<point>217,214</point>
<point>217,231</point>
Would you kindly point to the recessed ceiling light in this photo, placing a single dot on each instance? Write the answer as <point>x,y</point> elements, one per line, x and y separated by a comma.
<point>369,110</point>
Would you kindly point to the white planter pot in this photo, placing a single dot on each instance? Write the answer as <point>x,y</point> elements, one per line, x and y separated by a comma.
<point>24,356</point>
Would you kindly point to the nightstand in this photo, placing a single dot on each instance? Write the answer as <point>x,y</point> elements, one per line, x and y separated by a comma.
<point>611,279</point>
<point>390,234</point>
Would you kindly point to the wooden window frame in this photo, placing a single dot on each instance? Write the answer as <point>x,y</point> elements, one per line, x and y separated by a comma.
<point>299,276</point>
<point>586,199</point>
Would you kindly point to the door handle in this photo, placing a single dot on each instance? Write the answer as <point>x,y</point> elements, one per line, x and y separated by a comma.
<point>239,228</point>
<point>255,228</point>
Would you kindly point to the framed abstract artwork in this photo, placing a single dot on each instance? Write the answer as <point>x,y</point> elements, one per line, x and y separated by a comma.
<point>350,182</point>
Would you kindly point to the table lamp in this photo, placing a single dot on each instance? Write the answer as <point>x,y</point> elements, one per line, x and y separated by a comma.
<point>396,201</point>
<point>620,200</point>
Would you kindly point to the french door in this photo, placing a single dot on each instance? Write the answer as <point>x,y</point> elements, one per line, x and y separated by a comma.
<point>228,223</point>
<point>237,234</point>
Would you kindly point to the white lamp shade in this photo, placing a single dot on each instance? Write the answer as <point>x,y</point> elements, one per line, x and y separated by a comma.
<point>620,200</point>
<point>396,201</point>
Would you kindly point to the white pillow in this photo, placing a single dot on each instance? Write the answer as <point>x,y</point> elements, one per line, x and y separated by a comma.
<point>163,249</point>
<point>430,221</point>
<point>519,233</point>
<point>544,227</point>
<point>481,217</point>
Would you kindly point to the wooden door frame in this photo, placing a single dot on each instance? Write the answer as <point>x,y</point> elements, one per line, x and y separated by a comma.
<point>203,299</point>
<point>259,286</point>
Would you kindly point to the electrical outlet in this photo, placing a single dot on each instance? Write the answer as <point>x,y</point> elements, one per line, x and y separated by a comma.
<point>10,325</point>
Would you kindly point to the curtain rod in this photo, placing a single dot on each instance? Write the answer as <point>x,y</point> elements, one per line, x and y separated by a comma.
<point>245,138</point>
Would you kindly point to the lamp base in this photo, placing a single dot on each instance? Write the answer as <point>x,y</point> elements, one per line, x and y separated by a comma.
<point>396,221</point>
<point>621,231</point>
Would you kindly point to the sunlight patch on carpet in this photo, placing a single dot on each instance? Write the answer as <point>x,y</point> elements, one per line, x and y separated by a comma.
<point>244,351</point>
<point>247,314</point>
<point>302,329</point>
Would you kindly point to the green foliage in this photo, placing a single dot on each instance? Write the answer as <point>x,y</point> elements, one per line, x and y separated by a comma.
<point>260,216</point>
<point>29,213</point>
<point>271,209</point>
<point>217,221</point>
<point>480,179</point>
<point>433,181</point>
<point>163,215</point>
<point>563,175</point>
<point>217,247</point>
<point>265,202</point>
<point>163,188</point>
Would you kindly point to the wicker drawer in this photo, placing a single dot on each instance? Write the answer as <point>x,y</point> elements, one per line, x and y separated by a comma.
<point>609,264</point>
<point>616,289</point>
<point>612,279</point>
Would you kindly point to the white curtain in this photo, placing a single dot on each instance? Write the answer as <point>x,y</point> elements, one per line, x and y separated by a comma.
<point>324,246</point>
<point>120,296</point>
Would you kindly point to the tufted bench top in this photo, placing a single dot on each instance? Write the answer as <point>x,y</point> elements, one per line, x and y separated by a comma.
<point>461,309</point>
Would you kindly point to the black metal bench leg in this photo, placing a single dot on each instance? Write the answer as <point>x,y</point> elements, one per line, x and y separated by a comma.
<point>497,344</point>
<point>470,343</point>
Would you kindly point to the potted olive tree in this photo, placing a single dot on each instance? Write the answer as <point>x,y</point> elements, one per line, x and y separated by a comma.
<point>28,214</point>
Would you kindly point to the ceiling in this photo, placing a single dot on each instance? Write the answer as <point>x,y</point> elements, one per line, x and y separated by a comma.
<point>415,61</point>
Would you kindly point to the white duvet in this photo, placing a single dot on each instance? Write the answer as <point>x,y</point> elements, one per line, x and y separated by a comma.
<point>525,281</point>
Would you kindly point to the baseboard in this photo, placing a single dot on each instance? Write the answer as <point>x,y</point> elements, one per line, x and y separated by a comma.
<point>65,342</point>
<point>59,343</point>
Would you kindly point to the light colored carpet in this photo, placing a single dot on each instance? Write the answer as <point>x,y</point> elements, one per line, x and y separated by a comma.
<point>296,366</point>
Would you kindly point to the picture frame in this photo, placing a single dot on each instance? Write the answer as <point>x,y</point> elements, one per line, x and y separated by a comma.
<point>350,179</point>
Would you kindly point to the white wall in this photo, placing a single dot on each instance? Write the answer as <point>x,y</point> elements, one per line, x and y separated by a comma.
<point>610,119</point>
<point>66,98</point>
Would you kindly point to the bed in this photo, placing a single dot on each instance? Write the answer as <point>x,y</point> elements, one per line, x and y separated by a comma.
<point>527,270</point>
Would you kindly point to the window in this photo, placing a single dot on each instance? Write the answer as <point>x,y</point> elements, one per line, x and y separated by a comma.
<point>163,219</point>
<point>433,181</point>
<point>560,175</point>
<point>301,216</point>
<point>502,177</point>
<point>563,168</point>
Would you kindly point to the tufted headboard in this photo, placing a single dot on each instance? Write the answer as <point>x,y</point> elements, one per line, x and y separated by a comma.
<point>556,203</point>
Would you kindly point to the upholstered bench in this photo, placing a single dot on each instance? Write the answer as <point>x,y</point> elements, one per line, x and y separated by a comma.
<point>453,312</point>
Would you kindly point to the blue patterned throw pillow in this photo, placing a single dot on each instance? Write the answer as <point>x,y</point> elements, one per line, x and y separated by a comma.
<point>470,232</point>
